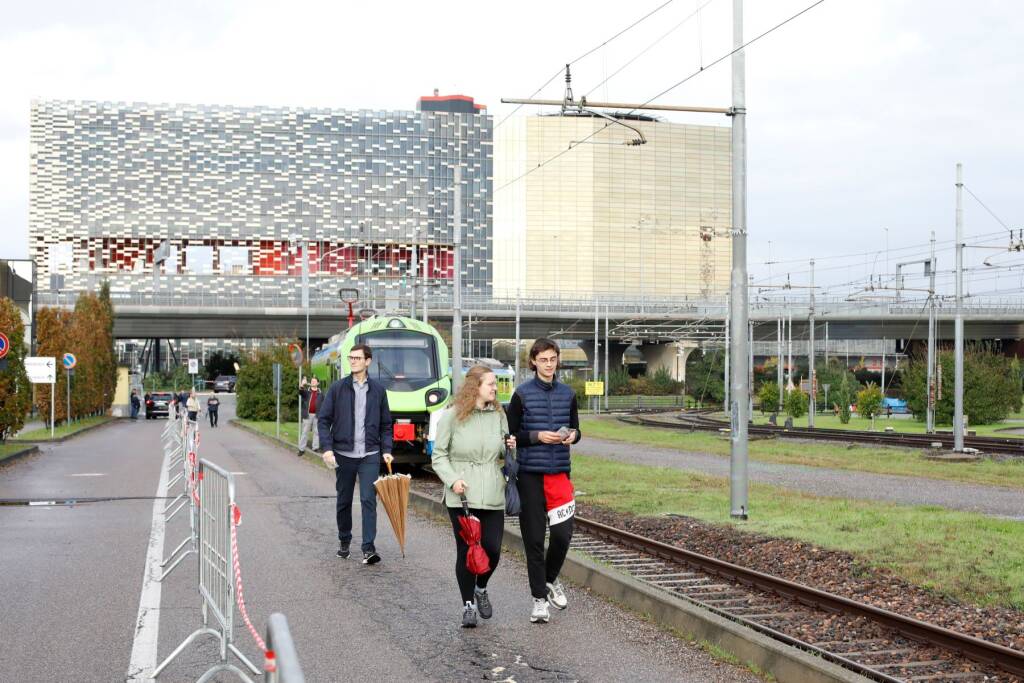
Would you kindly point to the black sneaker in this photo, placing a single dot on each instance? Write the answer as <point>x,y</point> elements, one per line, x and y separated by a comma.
<point>483,604</point>
<point>343,550</point>
<point>469,616</point>
<point>371,557</point>
<point>300,452</point>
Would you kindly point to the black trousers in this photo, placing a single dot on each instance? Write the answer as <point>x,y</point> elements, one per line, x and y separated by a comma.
<point>492,526</point>
<point>533,520</point>
<point>212,414</point>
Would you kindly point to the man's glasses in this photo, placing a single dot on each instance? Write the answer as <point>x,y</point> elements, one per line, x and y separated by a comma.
<point>546,361</point>
<point>354,358</point>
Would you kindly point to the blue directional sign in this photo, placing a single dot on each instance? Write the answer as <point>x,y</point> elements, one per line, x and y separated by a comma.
<point>70,361</point>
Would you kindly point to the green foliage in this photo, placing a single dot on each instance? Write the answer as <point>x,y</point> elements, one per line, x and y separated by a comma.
<point>844,392</point>
<point>768,396</point>
<point>640,386</point>
<point>705,375</point>
<point>662,383</point>
<point>255,388</point>
<point>869,401</point>
<point>618,382</point>
<point>579,385</point>
<point>992,387</point>
<point>15,390</point>
<point>796,403</point>
<point>220,363</point>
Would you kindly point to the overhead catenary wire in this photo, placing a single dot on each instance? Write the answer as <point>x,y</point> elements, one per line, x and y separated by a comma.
<point>990,211</point>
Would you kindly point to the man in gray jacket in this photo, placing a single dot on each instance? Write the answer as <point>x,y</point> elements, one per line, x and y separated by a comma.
<point>355,432</point>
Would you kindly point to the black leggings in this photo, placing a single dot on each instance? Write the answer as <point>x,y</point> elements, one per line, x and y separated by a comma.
<point>533,520</point>
<point>492,526</point>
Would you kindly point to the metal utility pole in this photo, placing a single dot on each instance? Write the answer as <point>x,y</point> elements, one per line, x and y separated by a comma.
<point>789,362</point>
<point>884,340</point>
<point>726,405</point>
<point>958,351</point>
<point>305,291</point>
<point>738,488</point>
<point>518,303</point>
<point>810,357</point>
<point>596,401</point>
<point>457,286</point>
<point>778,348</point>
<point>750,368</point>
<point>607,374</point>
<point>930,419</point>
<point>826,348</point>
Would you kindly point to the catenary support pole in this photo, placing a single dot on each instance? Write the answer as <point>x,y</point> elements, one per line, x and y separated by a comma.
<point>738,301</point>
<point>457,286</point>
<point>958,330</point>
<point>726,404</point>
<point>811,388</point>
<point>518,341</point>
<point>596,401</point>
<point>607,373</point>
<point>780,356</point>
<point>930,417</point>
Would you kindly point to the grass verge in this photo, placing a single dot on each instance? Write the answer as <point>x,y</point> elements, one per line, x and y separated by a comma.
<point>62,430</point>
<point>903,425</point>
<point>901,461</point>
<point>971,557</point>
<point>9,449</point>
<point>289,431</point>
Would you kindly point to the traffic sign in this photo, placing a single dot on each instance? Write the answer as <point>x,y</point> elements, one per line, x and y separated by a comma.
<point>193,366</point>
<point>70,361</point>
<point>41,369</point>
<point>295,352</point>
<point>5,345</point>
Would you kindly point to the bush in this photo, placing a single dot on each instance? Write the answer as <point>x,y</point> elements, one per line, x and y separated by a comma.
<point>869,401</point>
<point>844,392</point>
<point>992,387</point>
<point>255,387</point>
<point>220,363</point>
<point>705,376</point>
<point>579,385</point>
<point>662,384</point>
<point>618,382</point>
<point>769,397</point>
<point>796,403</point>
<point>640,386</point>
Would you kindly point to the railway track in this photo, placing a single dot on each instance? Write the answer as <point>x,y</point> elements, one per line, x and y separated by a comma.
<point>697,421</point>
<point>878,644</point>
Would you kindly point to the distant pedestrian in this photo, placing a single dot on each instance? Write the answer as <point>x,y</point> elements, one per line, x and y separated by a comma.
<point>309,402</point>
<point>355,429</point>
<point>182,398</point>
<point>192,405</point>
<point>469,444</point>
<point>212,407</point>
<point>135,404</point>
<point>146,403</point>
<point>543,417</point>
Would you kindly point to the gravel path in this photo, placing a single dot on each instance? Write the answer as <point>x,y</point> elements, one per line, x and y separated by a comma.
<point>991,500</point>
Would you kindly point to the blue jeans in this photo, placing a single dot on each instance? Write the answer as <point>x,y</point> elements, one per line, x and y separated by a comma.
<point>367,468</point>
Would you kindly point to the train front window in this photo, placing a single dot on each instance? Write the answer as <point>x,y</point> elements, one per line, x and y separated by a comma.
<point>403,360</point>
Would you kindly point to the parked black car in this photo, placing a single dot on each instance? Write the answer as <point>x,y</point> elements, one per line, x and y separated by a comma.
<point>158,405</point>
<point>224,383</point>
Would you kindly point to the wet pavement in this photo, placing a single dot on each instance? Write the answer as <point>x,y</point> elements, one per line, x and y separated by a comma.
<point>73,575</point>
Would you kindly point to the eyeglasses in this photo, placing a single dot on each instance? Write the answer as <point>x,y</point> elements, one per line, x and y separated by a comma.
<point>353,358</point>
<point>546,361</point>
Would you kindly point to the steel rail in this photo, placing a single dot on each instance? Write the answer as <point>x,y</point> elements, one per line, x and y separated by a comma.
<point>971,647</point>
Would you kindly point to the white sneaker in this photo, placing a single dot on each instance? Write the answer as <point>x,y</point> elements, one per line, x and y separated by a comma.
<point>540,613</point>
<point>556,595</point>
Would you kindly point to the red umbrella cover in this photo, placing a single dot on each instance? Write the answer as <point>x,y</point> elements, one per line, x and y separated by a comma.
<point>477,561</point>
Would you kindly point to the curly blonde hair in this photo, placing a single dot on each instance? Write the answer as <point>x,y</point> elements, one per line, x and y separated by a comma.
<point>464,401</point>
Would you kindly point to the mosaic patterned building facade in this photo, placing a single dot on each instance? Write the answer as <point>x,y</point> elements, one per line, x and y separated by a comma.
<point>237,192</point>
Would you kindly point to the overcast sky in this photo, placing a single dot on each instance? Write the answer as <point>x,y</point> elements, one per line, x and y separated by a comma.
<point>858,110</point>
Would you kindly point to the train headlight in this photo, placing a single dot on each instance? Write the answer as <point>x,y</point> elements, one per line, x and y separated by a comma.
<point>395,323</point>
<point>435,396</point>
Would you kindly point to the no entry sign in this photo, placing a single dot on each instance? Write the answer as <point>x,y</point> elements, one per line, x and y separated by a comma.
<point>5,345</point>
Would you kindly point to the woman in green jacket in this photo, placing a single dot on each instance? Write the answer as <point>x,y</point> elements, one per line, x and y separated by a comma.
<point>469,445</point>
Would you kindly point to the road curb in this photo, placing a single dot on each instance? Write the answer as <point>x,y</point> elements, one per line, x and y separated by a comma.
<point>28,450</point>
<point>784,662</point>
<point>307,455</point>
<point>62,439</point>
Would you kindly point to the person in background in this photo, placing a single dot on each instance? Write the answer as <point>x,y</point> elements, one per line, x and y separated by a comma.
<point>355,423</point>
<point>212,406</point>
<point>145,403</point>
<point>543,417</point>
<point>192,406</point>
<point>470,442</point>
<point>135,404</point>
<point>310,401</point>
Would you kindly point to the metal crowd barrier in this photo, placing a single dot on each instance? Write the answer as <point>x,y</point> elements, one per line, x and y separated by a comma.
<point>216,565</point>
<point>187,444</point>
<point>285,667</point>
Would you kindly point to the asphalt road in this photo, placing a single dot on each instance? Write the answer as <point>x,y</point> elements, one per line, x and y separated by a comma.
<point>72,576</point>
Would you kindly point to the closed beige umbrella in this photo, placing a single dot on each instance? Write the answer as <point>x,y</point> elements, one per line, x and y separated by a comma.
<point>393,491</point>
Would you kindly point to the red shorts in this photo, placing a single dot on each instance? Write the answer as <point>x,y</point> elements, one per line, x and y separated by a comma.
<point>559,498</point>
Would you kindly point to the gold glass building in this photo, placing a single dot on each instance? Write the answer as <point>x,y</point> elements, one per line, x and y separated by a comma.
<point>610,218</point>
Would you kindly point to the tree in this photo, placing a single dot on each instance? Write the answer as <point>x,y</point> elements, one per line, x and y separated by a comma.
<point>220,363</point>
<point>662,383</point>
<point>52,339</point>
<point>110,361</point>
<point>992,388</point>
<point>15,389</point>
<point>704,375</point>
<point>618,382</point>
<point>869,401</point>
<point>796,403</point>
<point>255,387</point>
<point>769,397</point>
<point>844,392</point>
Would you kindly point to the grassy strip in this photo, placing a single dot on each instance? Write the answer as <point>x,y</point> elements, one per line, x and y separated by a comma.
<point>289,430</point>
<point>901,461</point>
<point>9,449</point>
<point>903,425</point>
<point>971,557</point>
<point>62,430</point>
